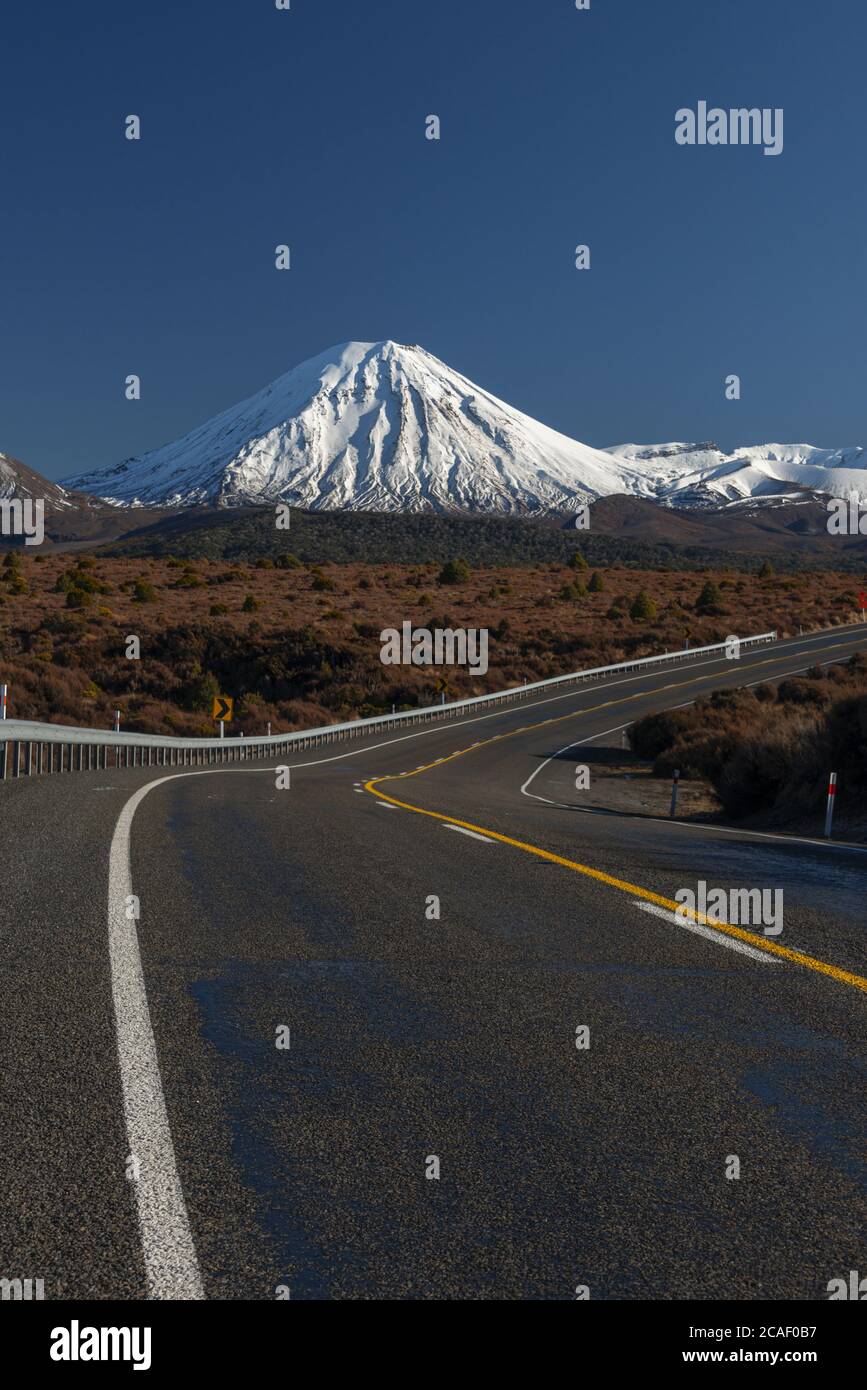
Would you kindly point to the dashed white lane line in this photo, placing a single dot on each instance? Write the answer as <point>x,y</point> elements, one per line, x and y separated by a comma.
<point>708,933</point>
<point>387,806</point>
<point>472,833</point>
<point>170,1259</point>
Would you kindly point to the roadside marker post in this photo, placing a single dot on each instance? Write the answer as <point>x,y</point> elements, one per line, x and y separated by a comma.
<point>829,813</point>
<point>4,693</point>
<point>674,782</point>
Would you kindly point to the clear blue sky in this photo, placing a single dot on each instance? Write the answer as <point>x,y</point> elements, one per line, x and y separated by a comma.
<point>307,127</point>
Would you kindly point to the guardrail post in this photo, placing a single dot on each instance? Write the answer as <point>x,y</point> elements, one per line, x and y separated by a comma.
<point>191,753</point>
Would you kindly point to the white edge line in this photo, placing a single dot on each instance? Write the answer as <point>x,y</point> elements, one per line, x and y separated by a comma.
<point>171,1264</point>
<point>696,825</point>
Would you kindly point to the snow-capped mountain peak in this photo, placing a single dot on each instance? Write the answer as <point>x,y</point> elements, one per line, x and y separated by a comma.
<point>17,480</point>
<point>703,475</point>
<point>369,426</point>
<point>389,427</point>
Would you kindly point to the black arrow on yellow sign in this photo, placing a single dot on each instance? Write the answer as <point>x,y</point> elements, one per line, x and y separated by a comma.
<point>223,707</point>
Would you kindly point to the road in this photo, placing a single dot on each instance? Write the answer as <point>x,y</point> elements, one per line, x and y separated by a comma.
<point>420,1041</point>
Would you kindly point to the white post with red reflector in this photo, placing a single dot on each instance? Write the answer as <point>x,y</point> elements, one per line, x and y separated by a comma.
<point>4,693</point>
<point>829,814</point>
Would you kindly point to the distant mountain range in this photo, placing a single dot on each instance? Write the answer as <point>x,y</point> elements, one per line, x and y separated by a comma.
<point>17,480</point>
<point>70,516</point>
<point>388,428</point>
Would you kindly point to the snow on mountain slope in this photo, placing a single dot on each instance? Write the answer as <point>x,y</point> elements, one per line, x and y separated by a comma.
<point>701,475</point>
<point>17,480</point>
<point>385,427</point>
<point>370,426</point>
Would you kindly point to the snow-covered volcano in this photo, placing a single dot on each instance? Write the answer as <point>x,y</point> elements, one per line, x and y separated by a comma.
<point>385,427</point>
<point>375,427</point>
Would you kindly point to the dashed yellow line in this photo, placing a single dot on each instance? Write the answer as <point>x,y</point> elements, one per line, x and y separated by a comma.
<point>634,890</point>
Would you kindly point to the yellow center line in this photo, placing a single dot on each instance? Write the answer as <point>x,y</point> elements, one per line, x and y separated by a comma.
<point>633,889</point>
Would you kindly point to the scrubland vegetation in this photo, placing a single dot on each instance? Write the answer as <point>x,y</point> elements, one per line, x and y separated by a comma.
<point>298,643</point>
<point>768,751</point>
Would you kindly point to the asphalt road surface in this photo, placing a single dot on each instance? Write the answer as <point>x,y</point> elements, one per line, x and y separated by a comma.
<point>431,916</point>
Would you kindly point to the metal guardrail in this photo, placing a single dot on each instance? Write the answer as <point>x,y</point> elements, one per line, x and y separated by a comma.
<point>27,747</point>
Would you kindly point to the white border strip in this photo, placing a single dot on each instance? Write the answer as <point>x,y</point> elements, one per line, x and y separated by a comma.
<point>171,1265</point>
